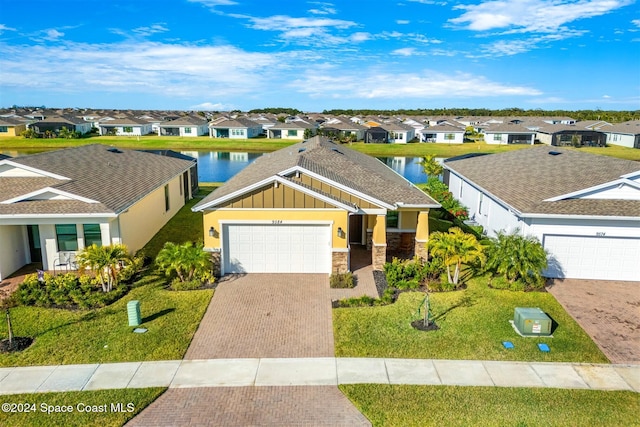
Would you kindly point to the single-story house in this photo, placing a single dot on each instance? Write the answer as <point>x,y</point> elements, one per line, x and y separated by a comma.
<point>302,208</point>
<point>443,134</point>
<point>584,208</point>
<point>626,134</point>
<point>239,128</point>
<point>184,126</point>
<point>55,203</point>
<point>339,129</point>
<point>509,133</point>
<point>291,130</point>
<point>125,127</point>
<point>563,135</point>
<point>399,133</point>
<point>11,127</point>
<point>55,123</point>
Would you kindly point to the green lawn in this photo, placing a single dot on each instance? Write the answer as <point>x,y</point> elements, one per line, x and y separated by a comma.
<point>473,323</point>
<point>267,145</point>
<point>103,335</point>
<point>137,399</point>
<point>406,406</point>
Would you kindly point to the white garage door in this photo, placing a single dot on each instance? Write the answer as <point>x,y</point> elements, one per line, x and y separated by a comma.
<point>589,257</point>
<point>252,248</point>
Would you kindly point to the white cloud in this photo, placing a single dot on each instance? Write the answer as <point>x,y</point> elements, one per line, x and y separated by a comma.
<point>405,51</point>
<point>514,47</point>
<point>52,34</point>
<point>402,21</point>
<point>4,28</point>
<point>137,67</point>
<point>152,29</point>
<point>287,23</point>
<point>323,8</point>
<point>440,3</point>
<point>373,84</point>
<point>214,3</point>
<point>531,15</point>
<point>636,22</point>
<point>210,106</point>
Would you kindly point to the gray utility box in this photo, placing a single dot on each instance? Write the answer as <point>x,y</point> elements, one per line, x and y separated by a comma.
<point>133,310</point>
<point>532,321</point>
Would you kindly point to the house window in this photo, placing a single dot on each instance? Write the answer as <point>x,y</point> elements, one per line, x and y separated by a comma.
<point>4,129</point>
<point>292,132</point>
<point>127,129</point>
<point>237,132</point>
<point>166,198</point>
<point>92,235</point>
<point>67,237</point>
<point>497,137</point>
<point>449,137</point>
<point>392,219</point>
<point>187,130</point>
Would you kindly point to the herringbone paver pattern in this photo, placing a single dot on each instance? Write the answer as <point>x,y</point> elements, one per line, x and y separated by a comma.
<point>266,315</point>
<point>251,406</point>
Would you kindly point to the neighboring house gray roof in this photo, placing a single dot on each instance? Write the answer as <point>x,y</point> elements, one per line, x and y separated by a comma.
<point>185,121</point>
<point>628,128</point>
<point>508,128</point>
<point>525,178</point>
<point>442,128</point>
<point>319,155</point>
<point>131,121</point>
<point>344,126</point>
<point>293,125</point>
<point>10,121</point>
<point>397,126</point>
<point>240,122</point>
<point>115,178</point>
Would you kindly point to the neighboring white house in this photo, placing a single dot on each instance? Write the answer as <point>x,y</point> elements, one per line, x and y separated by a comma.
<point>292,130</point>
<point>55,203</point>
<point>184,126</point>
<point>125,127</point>
<point>443,134</point>
<point>584,208</point>
<point>399,133</point>
<point>626,134</point>
<point>239,128</point>
<point>509,133</point>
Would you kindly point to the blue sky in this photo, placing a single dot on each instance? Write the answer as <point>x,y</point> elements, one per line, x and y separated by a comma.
<point>312,55</point>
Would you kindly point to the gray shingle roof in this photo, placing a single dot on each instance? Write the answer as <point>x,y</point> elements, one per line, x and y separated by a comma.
<point>115,179</point>
<point>319,155</point>
<point>525,178</point>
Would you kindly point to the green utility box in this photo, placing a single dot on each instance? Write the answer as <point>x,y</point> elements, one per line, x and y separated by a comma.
<point>532,321</point>
<point>133,310</point>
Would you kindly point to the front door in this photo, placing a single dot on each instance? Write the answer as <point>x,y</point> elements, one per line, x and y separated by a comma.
<point>355,229</point>
<point>34,243</point>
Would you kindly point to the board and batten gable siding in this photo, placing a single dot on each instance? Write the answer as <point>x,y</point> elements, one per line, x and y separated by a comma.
<point>337,218</point>
<point>280,197</point>
<point>334,191</point>
<point>623,140</point>
<point>139,223</point>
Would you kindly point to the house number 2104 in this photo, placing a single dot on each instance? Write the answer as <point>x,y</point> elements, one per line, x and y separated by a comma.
<point>600,233</point>
<point>276,221</point>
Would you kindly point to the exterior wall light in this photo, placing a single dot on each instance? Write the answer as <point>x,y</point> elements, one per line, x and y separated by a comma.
<point>340,232</point>
<point>212,231</point>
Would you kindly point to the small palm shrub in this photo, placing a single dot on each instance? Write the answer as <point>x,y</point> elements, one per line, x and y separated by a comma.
<point>187,262</point>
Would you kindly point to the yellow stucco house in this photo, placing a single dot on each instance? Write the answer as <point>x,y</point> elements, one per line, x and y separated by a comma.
<point>54,204</point>
<point>303,208</point>
<point>11,127</point>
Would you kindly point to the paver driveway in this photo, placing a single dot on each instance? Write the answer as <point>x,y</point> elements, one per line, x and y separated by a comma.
<point>260,315</point>
<point>266,315</point>
<point>609,311</point>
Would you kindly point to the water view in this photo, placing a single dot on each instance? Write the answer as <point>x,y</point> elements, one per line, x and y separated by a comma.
<point>219,166</point>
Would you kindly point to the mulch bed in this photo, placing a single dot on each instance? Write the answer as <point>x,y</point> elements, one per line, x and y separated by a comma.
<point>419,325</point>
<point>19,344</point>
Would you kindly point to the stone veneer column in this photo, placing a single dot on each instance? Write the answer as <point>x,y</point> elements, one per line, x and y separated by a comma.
<point>378,256</point>
<point>216,258</point>
<point>420,250</point>
<point>339,262</point>
<point>422,235</point>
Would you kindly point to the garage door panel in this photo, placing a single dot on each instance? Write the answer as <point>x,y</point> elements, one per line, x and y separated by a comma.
<point>593,257</point>
<point>276,248</point>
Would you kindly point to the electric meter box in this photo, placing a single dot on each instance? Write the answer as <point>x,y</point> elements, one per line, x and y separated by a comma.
<point>532,321</point>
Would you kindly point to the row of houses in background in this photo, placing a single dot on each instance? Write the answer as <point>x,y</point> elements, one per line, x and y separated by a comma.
<point>556,131</point>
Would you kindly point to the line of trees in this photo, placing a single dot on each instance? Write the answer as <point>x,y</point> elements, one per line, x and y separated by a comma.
<point>609,116</point>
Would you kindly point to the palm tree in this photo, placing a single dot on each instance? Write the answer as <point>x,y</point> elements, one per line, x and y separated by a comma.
<point>455,248</point>
<point>188,261</point>
<point>430,165</point>
<point>517,257</point>
<point>106,261</point>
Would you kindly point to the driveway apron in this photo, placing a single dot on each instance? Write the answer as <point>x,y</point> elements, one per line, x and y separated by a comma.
<point>252,316</point>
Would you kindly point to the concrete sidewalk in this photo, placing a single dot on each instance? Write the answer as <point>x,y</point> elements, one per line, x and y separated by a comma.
<point>316,371</point>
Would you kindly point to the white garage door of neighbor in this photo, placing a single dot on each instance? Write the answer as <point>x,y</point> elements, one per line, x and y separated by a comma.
<point>590,257</point>
<point>282,248</point>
